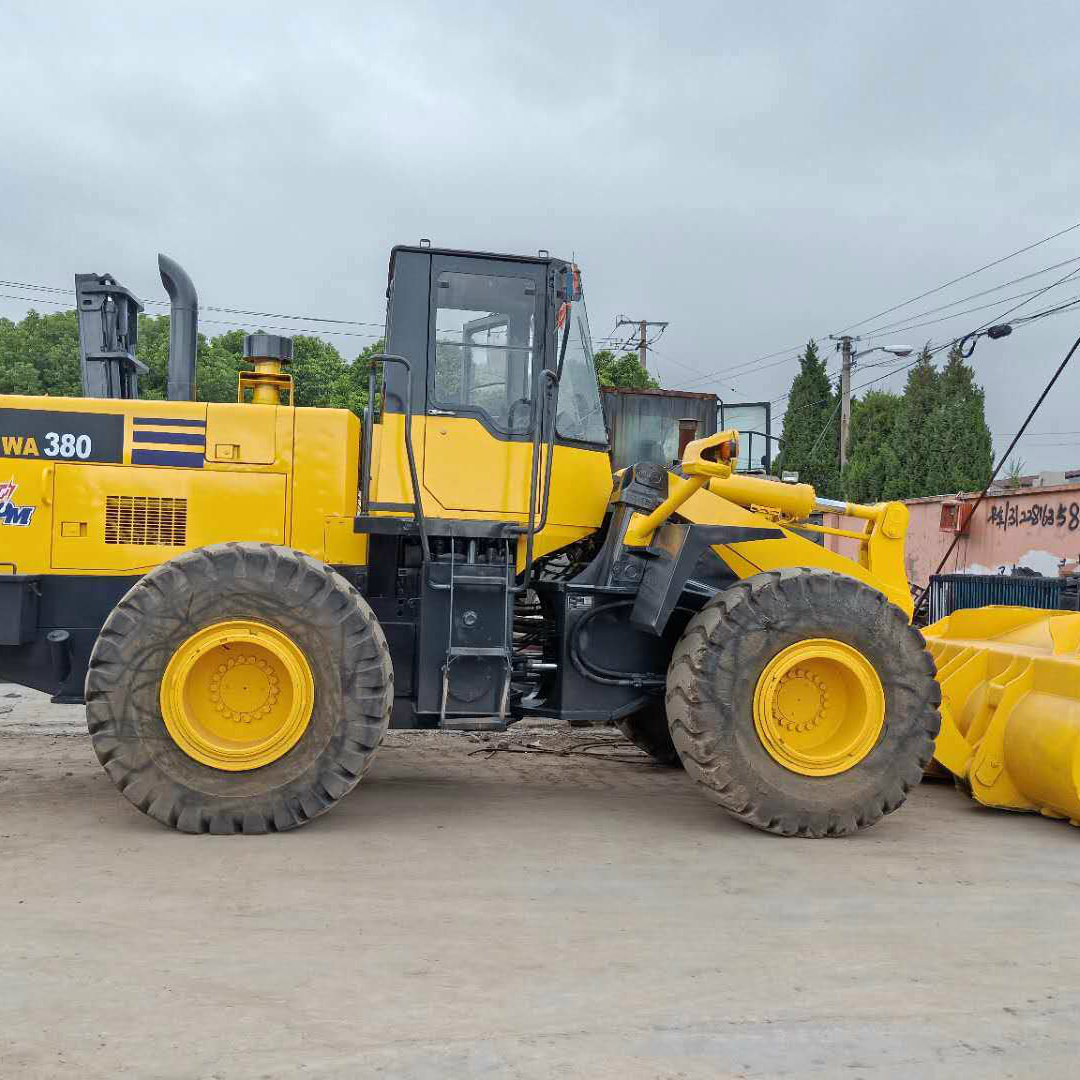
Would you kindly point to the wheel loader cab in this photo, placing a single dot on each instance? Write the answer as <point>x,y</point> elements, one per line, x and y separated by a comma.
<point>485,337</point>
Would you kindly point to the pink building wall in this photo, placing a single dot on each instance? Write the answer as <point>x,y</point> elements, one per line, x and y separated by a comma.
<point>1037,528</point>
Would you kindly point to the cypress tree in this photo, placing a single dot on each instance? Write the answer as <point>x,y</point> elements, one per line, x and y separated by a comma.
<point>912,438</point>
<point>873,465</point>
<point>811,439</point>
<point>963,450</point>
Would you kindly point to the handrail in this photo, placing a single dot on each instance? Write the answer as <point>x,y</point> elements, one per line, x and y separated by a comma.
<point>551,380</point>
<point>365,481</point>
<point>369,420</point>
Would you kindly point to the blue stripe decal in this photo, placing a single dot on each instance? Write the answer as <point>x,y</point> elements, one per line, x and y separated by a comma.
<point>164,421</point>
<point>176,437</point>
<point>178,458</point>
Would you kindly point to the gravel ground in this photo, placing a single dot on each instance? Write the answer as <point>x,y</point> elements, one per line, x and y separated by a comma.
<point>474,912</point>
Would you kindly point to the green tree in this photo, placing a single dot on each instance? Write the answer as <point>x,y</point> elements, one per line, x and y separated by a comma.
<point>220,360</point>
<point>47,344</point>
<point>317,368</point>
<point>912,438</point>
<point>18,375</point>
<point>152,349</point>
<point>810,444</point>
<point>873,465</point>
<point>350,391</point>
<point>962,447</point>
<point>39,354</point>
<point>625,371</point>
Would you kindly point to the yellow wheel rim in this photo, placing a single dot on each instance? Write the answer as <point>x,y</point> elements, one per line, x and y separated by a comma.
<point>819,707</point>
<point>237,695</point>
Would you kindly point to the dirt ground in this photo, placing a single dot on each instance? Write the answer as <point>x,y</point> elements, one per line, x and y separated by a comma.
<point>468,914</point>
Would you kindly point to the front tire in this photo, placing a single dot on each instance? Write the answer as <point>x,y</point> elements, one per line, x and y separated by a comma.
<point>803,702</point>
<point>239,688</point>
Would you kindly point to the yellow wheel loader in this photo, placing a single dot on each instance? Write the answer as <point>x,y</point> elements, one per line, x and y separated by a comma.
<point>249,594</point>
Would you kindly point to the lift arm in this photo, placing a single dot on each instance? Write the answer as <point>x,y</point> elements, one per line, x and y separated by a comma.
<point>754,525</point>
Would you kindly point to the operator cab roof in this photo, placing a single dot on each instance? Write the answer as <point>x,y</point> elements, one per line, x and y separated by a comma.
<point>462,253</point>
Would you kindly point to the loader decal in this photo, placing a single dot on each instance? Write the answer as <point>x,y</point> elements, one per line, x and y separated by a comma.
<point>174,443</point>
<point>17,446</point>
<point>10,513</point>
<point>52,435</point>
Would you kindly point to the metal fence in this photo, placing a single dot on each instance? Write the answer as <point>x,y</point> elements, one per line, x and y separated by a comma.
<point>951,592</point>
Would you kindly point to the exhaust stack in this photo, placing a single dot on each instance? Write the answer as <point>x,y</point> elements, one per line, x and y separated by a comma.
<point>183,329</point>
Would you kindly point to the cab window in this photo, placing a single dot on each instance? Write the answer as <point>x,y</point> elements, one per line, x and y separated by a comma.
<point>485,348</point>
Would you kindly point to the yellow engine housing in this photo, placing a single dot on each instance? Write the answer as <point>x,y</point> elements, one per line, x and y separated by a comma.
<point>171,476</point>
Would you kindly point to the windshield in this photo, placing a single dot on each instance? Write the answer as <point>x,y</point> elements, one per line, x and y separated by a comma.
<point>579,415</point>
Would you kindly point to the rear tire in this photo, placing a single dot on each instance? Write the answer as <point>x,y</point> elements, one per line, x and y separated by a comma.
<point>648,730</point>
<point>317,611</point>
<point>725,652</point>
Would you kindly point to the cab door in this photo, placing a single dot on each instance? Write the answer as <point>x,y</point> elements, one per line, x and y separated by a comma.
<point>485,349</point>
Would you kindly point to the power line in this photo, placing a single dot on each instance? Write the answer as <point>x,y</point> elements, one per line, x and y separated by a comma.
<point>293,329</point>
<point>36,300</point>
<point>278,315</point>
<point>903,325</point>
<point>35,288</point>
<point>783,397</point>
<point>973,336</point>
<point>1036,315</point>
<point>667,358</point>
<point>870,382</point>
<point>968,311</point>
<point>828,424</point>
<point>899,326</point>
<point>222,322</point>
<point>962,277</point>
<point>643,335</point>
<point>203,307</point>
<point>787,355</point>
<point>876,330</point>
<point>791,352</point>
<point>932,351</point>
<point>740,369</point>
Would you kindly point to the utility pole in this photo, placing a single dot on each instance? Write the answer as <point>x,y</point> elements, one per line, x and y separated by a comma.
<point>643,335</point>
<point>845,343</point>
<point>845,395</point>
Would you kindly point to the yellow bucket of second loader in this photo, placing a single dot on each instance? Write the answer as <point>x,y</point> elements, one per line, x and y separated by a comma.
<point>1010,708</point>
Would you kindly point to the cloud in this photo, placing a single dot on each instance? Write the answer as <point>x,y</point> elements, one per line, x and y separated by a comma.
<point>753,174</point>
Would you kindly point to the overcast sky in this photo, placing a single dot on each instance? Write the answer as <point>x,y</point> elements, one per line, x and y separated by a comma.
<point>755,174</point>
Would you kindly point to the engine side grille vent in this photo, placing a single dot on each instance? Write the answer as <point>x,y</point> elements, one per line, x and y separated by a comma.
<point>145,519</point>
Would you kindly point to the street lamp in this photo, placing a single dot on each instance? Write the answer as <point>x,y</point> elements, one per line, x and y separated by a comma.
<point>882,348</point>
<point>845,344</point>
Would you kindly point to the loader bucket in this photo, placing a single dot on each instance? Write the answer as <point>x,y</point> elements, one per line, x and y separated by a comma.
<point>1010,708</point>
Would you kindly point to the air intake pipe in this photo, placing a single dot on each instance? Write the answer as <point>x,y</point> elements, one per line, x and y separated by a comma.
<point>183,329</point>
